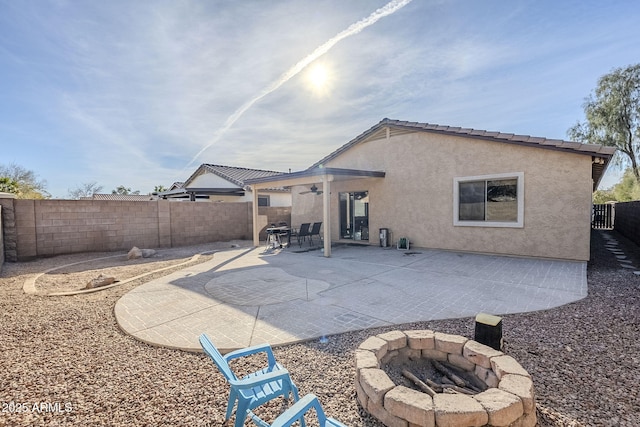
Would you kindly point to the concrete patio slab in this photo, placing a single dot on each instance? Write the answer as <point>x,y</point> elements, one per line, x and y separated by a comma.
<point>245,296</point>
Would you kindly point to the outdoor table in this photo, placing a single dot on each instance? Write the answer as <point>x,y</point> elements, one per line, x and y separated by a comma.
<point>274,233</point>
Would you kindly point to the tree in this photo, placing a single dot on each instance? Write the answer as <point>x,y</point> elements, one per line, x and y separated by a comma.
<point>627,189</point>
<point>603,196</point>
<point>159,189</point>
<point>86,189</point>
<point>124,190</point>
<point>27,182</point>
<point>7,185</point>
<point>612,115</point>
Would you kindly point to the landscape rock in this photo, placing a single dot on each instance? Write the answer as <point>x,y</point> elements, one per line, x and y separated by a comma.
<point>147,253</point>
<point>99,281</point>
<point>134,253</point>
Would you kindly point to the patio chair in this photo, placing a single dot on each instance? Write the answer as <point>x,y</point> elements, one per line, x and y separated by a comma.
<point>297,412</point>
<point>315,231</point>
<point>253,389</point>
<point>302,233</point>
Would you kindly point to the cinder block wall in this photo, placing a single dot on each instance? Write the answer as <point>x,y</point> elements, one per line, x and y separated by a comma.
<point>627,220</point>
<point>8,230</point>
<point>193,223</point>
<point>54,227</point>
<point>1,242</point>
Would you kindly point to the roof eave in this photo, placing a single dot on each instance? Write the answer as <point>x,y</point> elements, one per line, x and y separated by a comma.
<point>317,172</point>
<point>508,138</point>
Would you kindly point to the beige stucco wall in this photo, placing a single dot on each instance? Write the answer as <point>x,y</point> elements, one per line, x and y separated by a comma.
<point>415,199</point>
<point>308,206</point>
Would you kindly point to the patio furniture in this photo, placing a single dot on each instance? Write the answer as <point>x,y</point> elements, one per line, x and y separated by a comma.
<point>315,231</point>
<point>302,233</point>
<point>297,412</point>
<point>275,235</point>
<point>253,389</point>
<point>273,238</point>
<point>285,232</point>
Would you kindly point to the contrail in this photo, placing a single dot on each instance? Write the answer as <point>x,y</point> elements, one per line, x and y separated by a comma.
<point>386,10</point>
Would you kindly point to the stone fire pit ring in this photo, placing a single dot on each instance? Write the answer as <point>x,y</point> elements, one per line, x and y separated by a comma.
<point>509,400</point>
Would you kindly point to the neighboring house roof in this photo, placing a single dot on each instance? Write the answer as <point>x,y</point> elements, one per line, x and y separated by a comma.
<point>121,197</point>
<point>232,174</point>
<point>235,175</point>
<point>397,127</point>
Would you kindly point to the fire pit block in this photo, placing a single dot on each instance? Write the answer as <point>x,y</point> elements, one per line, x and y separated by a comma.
<point>503,365</point>
<point>455,410</point>
<point>521,387</point>
<point>509,400</point>
<point>377,345</point>
<point>479,354</point>
<point>366,359</point>
<point>410,405</point>
<point>375,383</point>
<point>395,340</point>
<point>502,407</point>
<point>451,344</point>
<point>421,340</point>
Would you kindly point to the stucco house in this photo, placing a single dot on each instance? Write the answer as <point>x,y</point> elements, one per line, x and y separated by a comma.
<point>452,188</point>
<point>217,183</point>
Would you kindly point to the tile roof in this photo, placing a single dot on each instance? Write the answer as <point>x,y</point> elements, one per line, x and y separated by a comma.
<point>232,174</point>
<point>510,138</point>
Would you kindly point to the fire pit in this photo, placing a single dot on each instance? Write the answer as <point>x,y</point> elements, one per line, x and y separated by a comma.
<point>503,390</point>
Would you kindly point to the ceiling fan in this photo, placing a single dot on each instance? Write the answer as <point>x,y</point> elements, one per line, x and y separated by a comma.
<point>313,190</point>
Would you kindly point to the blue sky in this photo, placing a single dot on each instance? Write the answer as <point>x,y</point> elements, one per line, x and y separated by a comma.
<point>131,93</point>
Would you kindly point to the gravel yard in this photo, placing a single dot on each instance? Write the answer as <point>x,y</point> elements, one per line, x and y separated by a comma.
<point>66,362</point>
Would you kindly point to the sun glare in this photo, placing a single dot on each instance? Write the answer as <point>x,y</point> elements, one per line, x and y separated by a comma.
<point>318,78</point>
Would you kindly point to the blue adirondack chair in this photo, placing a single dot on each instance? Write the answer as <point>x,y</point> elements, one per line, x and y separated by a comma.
<point>253,389</point>
<point>297,411</point>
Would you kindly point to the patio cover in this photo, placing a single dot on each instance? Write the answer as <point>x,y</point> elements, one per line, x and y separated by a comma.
<point>315,175</point>
<point>195,193</point>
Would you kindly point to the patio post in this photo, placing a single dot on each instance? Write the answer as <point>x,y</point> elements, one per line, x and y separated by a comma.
<point>326,214</point>
<point>256,232</point>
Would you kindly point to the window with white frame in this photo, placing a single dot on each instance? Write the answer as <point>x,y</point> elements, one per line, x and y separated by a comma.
<point>489,200</point>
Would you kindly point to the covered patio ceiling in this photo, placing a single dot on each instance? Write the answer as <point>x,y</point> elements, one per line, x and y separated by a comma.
<point>317,175</point>
<point>197,193</point>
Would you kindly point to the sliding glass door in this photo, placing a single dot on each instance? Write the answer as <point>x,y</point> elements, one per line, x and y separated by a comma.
<point>354,215</point>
